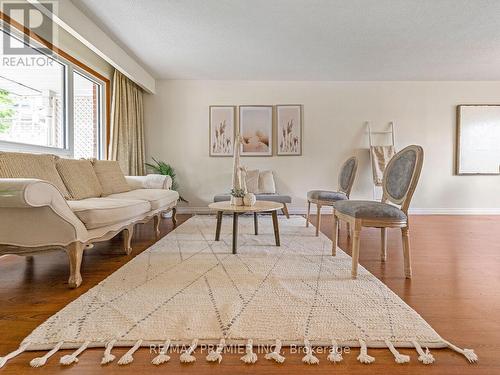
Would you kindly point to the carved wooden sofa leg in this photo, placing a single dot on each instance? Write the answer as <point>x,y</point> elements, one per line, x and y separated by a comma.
<point>157,221</point>
<point>128,232</point>
<point>75,255</point>
<point>174,216</point>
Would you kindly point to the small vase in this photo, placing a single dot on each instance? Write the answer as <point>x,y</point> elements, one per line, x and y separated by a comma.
<point>249,199</point>
<point>236,201</point>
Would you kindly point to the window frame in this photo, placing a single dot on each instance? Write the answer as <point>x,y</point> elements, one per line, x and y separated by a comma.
<point>71,66</point>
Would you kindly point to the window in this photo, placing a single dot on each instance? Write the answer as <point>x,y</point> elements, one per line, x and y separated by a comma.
<point>49,104</point>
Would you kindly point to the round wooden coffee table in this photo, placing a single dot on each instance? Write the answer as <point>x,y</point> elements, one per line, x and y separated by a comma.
<point>259,206</point>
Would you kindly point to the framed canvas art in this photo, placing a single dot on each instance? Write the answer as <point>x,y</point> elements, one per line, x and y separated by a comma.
<point>289,129</point>
<point>256,128</point>
<point>478,140</point>
<point>222,120</point>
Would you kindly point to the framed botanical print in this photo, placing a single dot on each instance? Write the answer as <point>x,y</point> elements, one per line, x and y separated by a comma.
<point>289,129</point>
<point>222,120</point>
<point>478,139</point>
<point>256,128</point>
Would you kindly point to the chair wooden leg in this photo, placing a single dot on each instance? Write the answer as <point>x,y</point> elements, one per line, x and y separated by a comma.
<point>174,216</point>
<point>335,234</point>
<point>406,251</point>
<point>318,219</point>
<point>383,244</point>
<point>308,212</point>
<point>75,255</point>
<point>157,221</point>
<point>348,229</point>
<point>355,250</point>
<point>285,211</point>
<point>128,232</point>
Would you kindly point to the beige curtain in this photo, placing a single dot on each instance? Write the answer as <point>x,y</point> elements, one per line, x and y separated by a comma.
<point>127,125</point>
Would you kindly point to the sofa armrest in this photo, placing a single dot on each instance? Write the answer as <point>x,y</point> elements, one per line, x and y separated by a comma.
<point>150,181</point>
<point>34,213</point>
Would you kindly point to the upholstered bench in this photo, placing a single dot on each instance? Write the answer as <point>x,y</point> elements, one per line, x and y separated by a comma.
<point>274,197</point>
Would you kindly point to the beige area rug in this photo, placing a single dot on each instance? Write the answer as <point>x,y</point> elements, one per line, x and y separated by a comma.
<point>188,289</point>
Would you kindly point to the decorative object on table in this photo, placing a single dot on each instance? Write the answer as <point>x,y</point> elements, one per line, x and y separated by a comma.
<point>128,305</point>
<point>400,181</point>
<point>160,167</point>
<point>289,129</point>
<point>256,128</point>
<point>249,199</point>
<point>237,196</point>
<point>222,120</point>
<point>327,197</point>
<point>478,140</point>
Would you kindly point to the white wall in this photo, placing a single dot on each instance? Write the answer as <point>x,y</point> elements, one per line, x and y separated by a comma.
<point>334,113</point>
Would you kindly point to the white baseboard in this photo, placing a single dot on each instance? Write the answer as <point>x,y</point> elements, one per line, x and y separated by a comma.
<point>327,210</point>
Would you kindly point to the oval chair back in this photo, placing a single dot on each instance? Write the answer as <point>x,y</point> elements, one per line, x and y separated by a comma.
<point>401,176</point>
<point>347,175</point>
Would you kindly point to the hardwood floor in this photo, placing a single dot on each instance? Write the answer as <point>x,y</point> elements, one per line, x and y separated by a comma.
<point>455,287</point>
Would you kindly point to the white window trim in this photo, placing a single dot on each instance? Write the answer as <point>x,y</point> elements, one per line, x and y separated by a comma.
<point>68,122</point>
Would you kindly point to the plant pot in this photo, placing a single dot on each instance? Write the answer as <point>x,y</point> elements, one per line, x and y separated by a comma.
<point>236,201</point>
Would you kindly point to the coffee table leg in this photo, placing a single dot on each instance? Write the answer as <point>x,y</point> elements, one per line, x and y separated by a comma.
<point>276,228</point>
<point>235,232</point>
<point>255,223</point>
<point>217,228</point>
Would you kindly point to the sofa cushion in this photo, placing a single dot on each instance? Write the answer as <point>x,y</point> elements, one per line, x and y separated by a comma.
<point>252,181</point>
<point>23,165</point>
<point>79,178</point>
<point>260,197</point>
<point>266,183</point>
<point>158,198</point>
<point>110,176</point>
<point>101,212</point>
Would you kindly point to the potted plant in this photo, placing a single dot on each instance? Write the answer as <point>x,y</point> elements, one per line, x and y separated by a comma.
<point>160,167</point>
<point>237,196</point>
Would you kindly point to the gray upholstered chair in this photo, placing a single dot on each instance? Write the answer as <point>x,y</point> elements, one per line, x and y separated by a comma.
<point>328,198</point>
<point>400,180</point>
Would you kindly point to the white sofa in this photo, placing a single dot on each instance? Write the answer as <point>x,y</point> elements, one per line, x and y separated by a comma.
<point>35,215</point>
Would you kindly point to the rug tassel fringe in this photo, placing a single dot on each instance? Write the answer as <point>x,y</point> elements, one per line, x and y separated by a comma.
<point>187,356</point>
<point>363,356</point>
<point>275,355</point>
<point>467,353</point>
<point>335,354</point>
<point>162,357</point>
<point>425,357</point>
<point>309,358</point>
<point>216,355</point>
<point>250,356</point>
<point>128,356</point>
<point>107,357</point>
<point>73,357</point>
<point>21,349</point>
<point>40,361</point>
<point>398,357</point>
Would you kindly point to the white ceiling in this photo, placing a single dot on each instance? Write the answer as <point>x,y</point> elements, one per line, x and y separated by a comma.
<point>306,39</point>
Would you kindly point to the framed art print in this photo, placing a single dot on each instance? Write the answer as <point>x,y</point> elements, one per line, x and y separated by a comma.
<point>222,121</point>
<point>289,129</point>
<point>256,128</point>
<point>478,139</point>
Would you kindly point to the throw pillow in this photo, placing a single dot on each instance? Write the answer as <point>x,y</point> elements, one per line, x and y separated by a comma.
<point>23,165</point>
<point>110,176</point>
<point>266,183</point>
<point>79,178</point>
<point>252,180</point>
